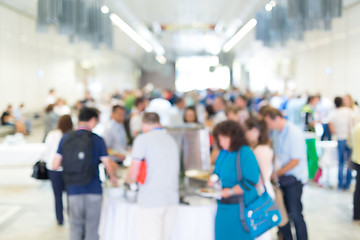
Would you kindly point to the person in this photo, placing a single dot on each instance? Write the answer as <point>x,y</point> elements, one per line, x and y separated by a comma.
<point>176,113</point>
<point>7,117</point>
<point>219,109</point>
<point>61,108</point>
<point>158,197</point>
<point>232,113</point>
<point>308,113</point>
<point>51,98</point>
<point>341,122</point>
<point>190,115</point>
<point>349,102</point>
<point>115,135</point>
<point>50,119</point>
<point>293,111</point>
<point>355,164</point>
<point>20,119</point>
<point>136,115</point>
<point>291,168</point>
<point>243,113</point>
<point>85,199</point>
<point>230,137</point>
<point>52,141</point>
<point>257,135</point>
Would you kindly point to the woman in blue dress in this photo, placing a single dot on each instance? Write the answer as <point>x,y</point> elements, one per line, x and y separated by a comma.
<point>230,137</point>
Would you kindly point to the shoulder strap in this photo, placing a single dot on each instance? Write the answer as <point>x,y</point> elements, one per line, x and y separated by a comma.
<point>239,174</point>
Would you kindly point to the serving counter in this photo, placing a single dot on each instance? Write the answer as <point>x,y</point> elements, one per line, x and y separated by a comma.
<point>193,222</point>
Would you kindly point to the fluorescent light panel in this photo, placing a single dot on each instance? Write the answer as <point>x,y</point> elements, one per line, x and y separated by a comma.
<point>239,35</point>
<point>161,59</point>
<point>131,32</point>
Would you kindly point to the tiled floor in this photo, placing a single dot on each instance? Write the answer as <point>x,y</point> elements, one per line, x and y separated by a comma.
<point>26,209</point>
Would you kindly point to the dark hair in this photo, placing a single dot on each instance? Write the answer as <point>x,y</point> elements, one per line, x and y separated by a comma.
<point>260,125</point>
<point>338,102</point>
<point>272,113</point>
<point>88,113</point>
<point>151,118</point>
<point>191,109</point>
<point>139,100</point>
<point>49,108</point>
<point>177,99</point>
<point>233,130</point>
<point>65,124</point>
<point>243,97</point>
<point>114,108</point>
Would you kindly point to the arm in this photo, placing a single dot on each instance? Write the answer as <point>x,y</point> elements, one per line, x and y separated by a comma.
<point>133,172</point>
<point>332,128</point>
<point>287,167</point>
<point>107,163</point>
<point>57,161</point>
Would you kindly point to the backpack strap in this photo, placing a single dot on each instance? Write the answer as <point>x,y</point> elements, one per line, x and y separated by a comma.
<point>241,202</point>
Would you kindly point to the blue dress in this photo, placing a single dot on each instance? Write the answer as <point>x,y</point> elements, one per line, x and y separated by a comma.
<point>228,225</point>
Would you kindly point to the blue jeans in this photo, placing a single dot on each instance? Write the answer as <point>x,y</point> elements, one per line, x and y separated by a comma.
<point>344,156</point>
<point>292,200</point>
<point>58,186</point>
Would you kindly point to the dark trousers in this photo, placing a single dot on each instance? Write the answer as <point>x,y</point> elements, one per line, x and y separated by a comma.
<point>58,186</point>
<point>344,156</point>
<point>292,200</point>
<point>357,198</point>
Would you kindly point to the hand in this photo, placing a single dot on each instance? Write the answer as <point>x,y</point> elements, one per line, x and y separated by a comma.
<point>225,192</point>
<point>114,181</point>
<point>120,156</point>
<point>210,183</point>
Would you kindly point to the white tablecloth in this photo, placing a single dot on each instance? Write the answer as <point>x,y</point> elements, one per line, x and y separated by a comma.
<point>20,154</point>
<point>118,221</point>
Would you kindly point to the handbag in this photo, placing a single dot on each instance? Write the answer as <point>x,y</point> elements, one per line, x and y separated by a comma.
<point>40,171</point>
<point>260,215</point>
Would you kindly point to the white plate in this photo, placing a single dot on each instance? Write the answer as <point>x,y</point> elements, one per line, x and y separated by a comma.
<point>212,194</point>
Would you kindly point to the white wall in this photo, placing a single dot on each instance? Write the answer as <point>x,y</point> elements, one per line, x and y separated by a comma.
<point>326,62</point>
<point>32,63</point>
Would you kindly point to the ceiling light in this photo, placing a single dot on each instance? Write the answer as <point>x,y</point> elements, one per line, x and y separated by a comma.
<point>104,9</point>
<point>272,3</point>
<point>268,7</point>
<point>239,35</point>
<point>131,32</point>
<point>161,59</point>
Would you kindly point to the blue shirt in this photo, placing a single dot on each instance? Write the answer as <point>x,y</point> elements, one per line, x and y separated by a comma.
<point>99,150</point>
<point>225,168</point>
<point>290,144</point>
<point>115,137</point>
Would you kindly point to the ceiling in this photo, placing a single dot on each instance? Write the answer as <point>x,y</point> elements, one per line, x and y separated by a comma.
<point>181,27</point>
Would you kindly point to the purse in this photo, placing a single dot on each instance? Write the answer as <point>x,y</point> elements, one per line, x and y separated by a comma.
<point>260,215</point>
<point>40,171</point>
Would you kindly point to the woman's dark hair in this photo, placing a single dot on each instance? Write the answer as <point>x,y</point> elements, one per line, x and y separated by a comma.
<point>65,124</point>
<point>233,130</point>
<point>260,125</point>
<point>191,109</point>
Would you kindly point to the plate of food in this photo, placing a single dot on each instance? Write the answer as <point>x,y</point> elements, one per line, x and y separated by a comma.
<point>209,193</point>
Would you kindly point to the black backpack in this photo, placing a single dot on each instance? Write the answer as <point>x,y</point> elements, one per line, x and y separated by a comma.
<point>78,168</point>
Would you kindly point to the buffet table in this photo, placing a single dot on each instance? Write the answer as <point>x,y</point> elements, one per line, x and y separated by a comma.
<point>193,222</point>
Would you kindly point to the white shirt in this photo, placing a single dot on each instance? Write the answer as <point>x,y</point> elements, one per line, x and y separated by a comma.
<point>62,110</point>
<point>219,117</point>
<point>50,100</point>
<point>51,146</point>
<point>161,154</point>
<point>264,156</point>
<point>175,117</point>
<point>135,123</point>
<point>342,119</point>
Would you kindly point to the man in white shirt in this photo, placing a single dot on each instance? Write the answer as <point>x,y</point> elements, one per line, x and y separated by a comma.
<point>176,114</point>
<point>136,115</point>
<point>341,123</point>
<point>159,195</point>
<point>51,98</point>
